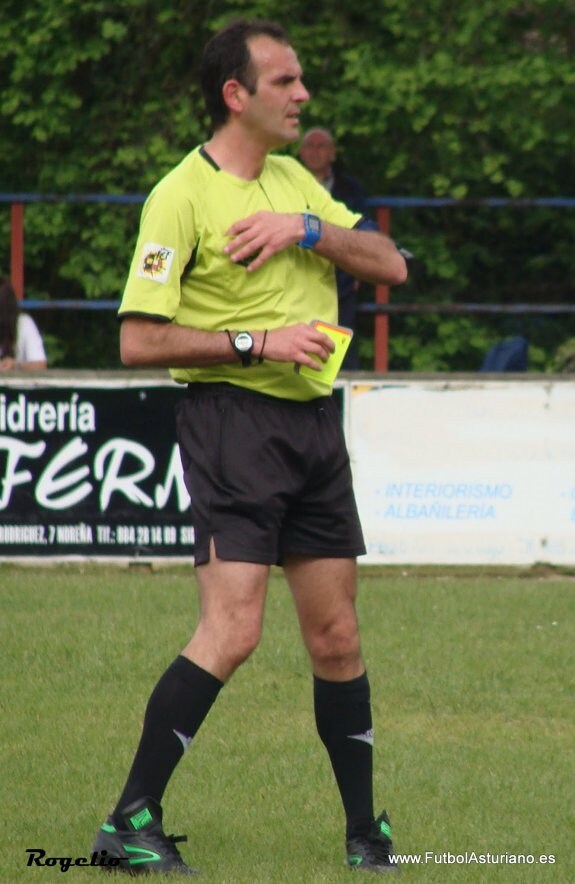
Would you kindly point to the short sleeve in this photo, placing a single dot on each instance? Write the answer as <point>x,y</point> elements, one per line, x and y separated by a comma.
<point>29,344</point>
<point>165,245</point>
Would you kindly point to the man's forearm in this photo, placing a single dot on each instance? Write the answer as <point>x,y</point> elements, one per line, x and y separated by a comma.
<point>167,345</point>
<point>144,342</point>
<point>365,254</point>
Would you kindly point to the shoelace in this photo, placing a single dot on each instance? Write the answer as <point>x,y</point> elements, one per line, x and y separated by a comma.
<point>380,849</point>
<point>374,847</point>
<point>168,843</point>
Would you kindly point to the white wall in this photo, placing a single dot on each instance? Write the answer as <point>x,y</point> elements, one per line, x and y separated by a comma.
<point>465,471</point>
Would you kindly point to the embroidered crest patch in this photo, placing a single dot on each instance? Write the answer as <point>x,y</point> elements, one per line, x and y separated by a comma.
<point>155,262</point>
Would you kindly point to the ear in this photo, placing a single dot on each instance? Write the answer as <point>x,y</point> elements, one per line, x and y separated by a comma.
<point>234,95</point>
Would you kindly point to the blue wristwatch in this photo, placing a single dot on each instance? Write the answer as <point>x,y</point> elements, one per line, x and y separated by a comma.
<point>312,231</point>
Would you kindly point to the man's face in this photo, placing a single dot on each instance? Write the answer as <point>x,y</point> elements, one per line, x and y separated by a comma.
<point>317,152</point>
<point>272,113</point>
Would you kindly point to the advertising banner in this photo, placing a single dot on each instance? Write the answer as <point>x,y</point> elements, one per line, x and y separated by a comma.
<point>465,472</point>
<point>446,471</point>
<point>91,468</point>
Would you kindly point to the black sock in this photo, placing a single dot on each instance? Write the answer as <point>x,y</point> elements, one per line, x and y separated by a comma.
<point>177,707</point>
<point>343,719</point>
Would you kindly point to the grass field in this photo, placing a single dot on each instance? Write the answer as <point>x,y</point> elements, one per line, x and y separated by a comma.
<point>473,700</point>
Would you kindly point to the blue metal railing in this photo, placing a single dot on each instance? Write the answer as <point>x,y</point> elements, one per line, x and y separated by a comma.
<point>377,202</point>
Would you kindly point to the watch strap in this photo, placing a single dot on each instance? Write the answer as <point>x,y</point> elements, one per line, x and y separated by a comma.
<point>312,225</point>
<point>245,356</point>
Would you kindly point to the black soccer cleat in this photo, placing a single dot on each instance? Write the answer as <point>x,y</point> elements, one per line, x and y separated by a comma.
<point>136,841</point>
<point>372,852</point>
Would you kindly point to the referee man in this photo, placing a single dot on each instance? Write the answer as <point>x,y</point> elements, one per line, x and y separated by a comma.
<point>235,259</point>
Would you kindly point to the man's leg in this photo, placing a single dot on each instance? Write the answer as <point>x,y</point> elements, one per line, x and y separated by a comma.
<point>324,592</point>
<point>232,596</point>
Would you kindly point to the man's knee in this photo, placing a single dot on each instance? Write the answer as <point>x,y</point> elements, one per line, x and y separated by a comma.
<point>337,642</point>
<point>240,639</point>
<point>232,597</point>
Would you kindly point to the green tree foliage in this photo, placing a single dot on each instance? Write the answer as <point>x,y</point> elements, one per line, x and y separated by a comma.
<point>437,99</point>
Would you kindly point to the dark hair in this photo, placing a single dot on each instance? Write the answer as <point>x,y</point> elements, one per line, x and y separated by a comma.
<point>227,57</point>
<point>8,318</point>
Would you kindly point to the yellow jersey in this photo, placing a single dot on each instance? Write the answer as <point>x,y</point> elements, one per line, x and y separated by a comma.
<point>180,273</point>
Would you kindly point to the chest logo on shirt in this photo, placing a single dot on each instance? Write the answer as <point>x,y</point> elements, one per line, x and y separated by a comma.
<point>155,262</point>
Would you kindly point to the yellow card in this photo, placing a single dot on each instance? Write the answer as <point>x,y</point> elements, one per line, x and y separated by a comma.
<point>341,337</point>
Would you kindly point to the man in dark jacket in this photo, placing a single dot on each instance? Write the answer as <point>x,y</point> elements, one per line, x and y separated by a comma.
<point>318,155</point>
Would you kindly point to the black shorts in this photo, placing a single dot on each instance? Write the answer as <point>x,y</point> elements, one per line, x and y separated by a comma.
<point>267,477</point>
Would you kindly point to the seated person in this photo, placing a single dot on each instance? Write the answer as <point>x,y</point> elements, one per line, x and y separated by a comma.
<point>21,344</point>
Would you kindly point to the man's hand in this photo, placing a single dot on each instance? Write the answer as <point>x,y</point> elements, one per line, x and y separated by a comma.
<point>296,343</point>
<point>366,254</point>
<point>262,235</point>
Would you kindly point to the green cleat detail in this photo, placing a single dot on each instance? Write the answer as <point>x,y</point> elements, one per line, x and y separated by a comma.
<point>138,842</point>
<point>372,852</point>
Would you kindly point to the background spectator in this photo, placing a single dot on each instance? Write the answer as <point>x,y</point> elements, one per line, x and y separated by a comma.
<point>318,154</point>
<point>21,344</point>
